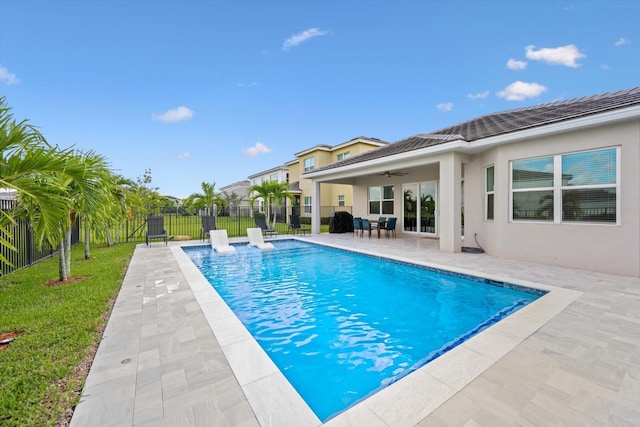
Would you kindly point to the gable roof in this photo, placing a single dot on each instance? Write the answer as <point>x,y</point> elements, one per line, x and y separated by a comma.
<point>324,147</point>
<point>502,123</point>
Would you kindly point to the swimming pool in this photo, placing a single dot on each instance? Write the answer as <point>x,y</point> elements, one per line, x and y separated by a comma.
<point>340,325</point>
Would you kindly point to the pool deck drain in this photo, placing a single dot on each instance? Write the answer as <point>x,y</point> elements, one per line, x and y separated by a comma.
<point>572,357</point>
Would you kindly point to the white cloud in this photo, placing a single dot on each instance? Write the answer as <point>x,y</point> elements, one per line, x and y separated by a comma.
<point>296,39</point>
<point>183,156</point>
<point>564,55</point>
<point>259,148</point>
<point>519,91</point>
<point>176,115</point>
<point>252,84</point>
<point>622,41</point>
<point>514,64</point>
<point>445,106</point>
<point>7,77</point>
<point>605,67</point>
<point>481,95</point>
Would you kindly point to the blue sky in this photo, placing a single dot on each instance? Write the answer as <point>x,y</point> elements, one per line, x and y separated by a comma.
<point>218,90</point>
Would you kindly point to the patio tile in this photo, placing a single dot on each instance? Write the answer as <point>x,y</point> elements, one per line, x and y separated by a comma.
<point>573,359</point>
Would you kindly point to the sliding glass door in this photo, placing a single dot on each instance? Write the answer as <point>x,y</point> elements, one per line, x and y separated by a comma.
<point>420,207</point>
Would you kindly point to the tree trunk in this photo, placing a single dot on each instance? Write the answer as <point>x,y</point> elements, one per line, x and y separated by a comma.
<point>272,215</point>
<point>67,252</point>
<point>87,249</point>
<point>107,232</point>
<point>62,274</point>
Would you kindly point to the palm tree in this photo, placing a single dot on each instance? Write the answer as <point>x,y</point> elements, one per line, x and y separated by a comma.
<point>206,200</point>
<point>29,165</point>
<point>272,192</point>
<point>120,190</point>
<point>86,196</point>
<point>93,203</point>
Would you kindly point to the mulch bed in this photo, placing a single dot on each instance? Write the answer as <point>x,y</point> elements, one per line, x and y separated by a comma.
<point>7,335</point>
<point>56,282</point>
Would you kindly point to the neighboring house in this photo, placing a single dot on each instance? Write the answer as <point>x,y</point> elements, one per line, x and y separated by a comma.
<point>334,196</point>
<point>557,183</point>
<point>7,198</point>
<point>277,174</point>
<point>237,192</point>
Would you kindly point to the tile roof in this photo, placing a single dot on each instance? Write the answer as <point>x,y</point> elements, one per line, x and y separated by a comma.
<point>503,122</point>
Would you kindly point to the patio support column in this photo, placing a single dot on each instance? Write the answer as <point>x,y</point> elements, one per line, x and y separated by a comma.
<point>315,207</point>
<point>450,203</point>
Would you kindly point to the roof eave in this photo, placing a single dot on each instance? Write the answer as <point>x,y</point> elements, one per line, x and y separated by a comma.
<point>608,117</point>
<point>382,161</point>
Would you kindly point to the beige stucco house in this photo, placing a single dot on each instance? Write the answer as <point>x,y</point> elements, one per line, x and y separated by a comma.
<point>333,196</point>
<point>557,183</point>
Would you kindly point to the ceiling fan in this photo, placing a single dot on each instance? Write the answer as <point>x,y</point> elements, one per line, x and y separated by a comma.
<point>389,174</point>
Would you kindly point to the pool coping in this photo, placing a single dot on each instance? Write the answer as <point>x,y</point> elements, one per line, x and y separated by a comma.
<point>405,402</point>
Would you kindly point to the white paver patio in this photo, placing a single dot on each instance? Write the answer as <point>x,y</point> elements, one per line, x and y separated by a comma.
<point>173,354</point>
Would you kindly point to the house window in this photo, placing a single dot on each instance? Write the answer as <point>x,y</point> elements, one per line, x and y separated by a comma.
<point>308,164</point>
<point>306,207</point>
<point>343,156</point>
<point>532,189</point>
<point>489,173</point>
<point>273,177</point>
<point>381,200</point>
<point>340,200</point>
<point>574,187</point>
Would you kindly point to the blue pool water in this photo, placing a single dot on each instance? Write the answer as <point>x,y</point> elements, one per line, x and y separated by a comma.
<point>340,325</point>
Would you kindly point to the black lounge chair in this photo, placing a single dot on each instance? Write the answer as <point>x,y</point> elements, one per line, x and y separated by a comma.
<point>262,223</point>
<point>155,229</point>
<point>208,223</point>
<point>294,225</point>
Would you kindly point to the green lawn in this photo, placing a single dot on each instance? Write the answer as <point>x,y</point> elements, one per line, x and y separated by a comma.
<point>179,225</point>
<point>59,326</point>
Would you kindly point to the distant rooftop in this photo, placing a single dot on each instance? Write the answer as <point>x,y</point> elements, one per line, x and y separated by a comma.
<point>325,147</point>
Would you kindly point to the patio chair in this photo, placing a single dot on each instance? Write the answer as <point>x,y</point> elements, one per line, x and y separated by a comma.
<point>256,239</point>
<point>208,223</point>
<point>220,242</point>
<point>262,223</point>
<point>155,229</point>
<point>391,227</point>
<point>294,225</point>
<point>381,224</point>
<point>366,226</point>
<point>357,226</point>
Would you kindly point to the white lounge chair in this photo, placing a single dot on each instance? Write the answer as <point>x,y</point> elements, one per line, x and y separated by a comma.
<point>220,242</point>
<point>256,239</point>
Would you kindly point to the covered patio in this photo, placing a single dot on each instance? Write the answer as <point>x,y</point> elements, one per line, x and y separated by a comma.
<point>426,193</point>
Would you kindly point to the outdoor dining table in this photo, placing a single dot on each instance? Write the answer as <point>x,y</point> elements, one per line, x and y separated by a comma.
<point>379,225</point>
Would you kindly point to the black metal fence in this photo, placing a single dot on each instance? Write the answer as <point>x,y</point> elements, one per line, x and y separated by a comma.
<point>28,251</point>
<point>179,225</point>
<point>235,221</point>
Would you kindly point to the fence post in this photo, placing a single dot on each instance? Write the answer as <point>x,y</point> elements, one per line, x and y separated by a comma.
<point>28,244</point>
